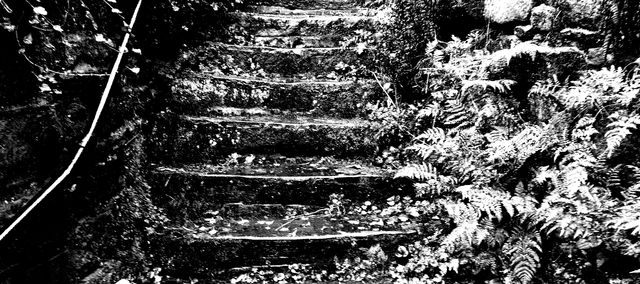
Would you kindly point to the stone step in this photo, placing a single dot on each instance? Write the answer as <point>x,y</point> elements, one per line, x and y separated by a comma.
<point>271,221</point>
<point>186,192</point>
<point>192,139</point>
<point>324,63</point>
<point>196,93</point>
<point>326,41</point>
<point>259,24</point>
<point>260,212</point>
<point>189,252</point>
<point>280,10</point>
<point>308,4</point>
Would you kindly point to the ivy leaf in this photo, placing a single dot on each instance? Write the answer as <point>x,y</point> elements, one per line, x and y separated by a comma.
<point>40,11</point>
<point>57,28</point>
<point>28,39</point>
<point>100,38</point>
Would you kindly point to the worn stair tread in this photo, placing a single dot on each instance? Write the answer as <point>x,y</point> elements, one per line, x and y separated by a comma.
<point>294,50</point>
<point>281,167</point>
<point>224,111</point>
<point>288,65</point>
<point>195,93</point>
<point>298,41</point>
<point>252,232</point>
<point>281,120</point>
<point>242,221</point>
<point>239,211</point>
<point>280,10</point>
<point>295,18</point>
<point>275,81</point>
<point>259,24</point>
<point>309,4</point>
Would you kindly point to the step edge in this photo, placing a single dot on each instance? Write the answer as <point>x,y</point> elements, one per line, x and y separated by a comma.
<point>271,81</point>
<point>345,235</point>
<point>344,123</point>
<point>293,50</point>
<point>166,170</point>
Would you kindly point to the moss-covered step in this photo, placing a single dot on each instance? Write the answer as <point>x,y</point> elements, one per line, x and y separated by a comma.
<point>306,63</point>
<point>299,41</point>
<point>191,191</point>
<point>197,93</point>
<point>280,10</point>
<point>189,139</point>
<point>308,4</point>
<point>192,252</point>
<point>264,24</point>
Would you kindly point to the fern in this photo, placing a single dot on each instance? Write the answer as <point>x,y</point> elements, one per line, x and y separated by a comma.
<point>456,113</point>
<point>494,203</point>
<point>433,135</point>
<point>499,86</point>
<point>524,252</point>
<point>431,110</point>
<point>418,172</point>
<point>628,220</point>
<point>619,129</point>
<point>519,148</point>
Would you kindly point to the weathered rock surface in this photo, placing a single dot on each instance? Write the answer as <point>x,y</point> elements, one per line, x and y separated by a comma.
<point>582,13</point>
<point>507,11</point>
<point>527,63</point>
<point>543,17</point>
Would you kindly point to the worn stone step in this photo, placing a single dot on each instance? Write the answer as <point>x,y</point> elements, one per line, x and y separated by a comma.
<point>259,24</point>
<point>299,41</point>
<point>324,63</point>
<point>309,4</point>
<point>264,221</point>
<point>186,192</point>
<point>189,139</point>
<point>260,212</point>
<point>190,252</point>
<point>280,10</point>
<point>196,93</point>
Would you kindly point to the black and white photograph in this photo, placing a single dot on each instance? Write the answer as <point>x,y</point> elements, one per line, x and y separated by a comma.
<point>319,141</point>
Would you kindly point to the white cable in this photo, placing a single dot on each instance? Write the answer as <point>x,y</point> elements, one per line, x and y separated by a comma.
<point>85,140</point>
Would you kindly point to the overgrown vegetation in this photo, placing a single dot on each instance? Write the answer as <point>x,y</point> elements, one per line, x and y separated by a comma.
<point>515,182</point>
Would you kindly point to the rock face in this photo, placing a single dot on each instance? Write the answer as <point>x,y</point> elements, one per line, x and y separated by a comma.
<point>507,11</point>
<point>527,63</point>
<point>582,13</point>
<point>543,17</point>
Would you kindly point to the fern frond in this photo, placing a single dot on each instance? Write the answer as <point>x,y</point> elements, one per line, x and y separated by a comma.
<point>456,113</point>
<point>525,254</point>
<point>418,172</point>
<point>520,147</point>
<point>619,129</point>
<point>546,88</point>
<point>498,86</point>
<point>431,110</point>
<point>628,220</point>
<point>492,202</point>
<point>462,213</point>
<point>433,135</point>
<point>462,237</point>
<point>500,134</point>
<point>423,151</point>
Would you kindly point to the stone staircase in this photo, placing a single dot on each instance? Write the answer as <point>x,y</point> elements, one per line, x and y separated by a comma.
<point>265,144</point>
